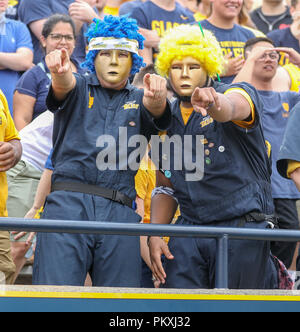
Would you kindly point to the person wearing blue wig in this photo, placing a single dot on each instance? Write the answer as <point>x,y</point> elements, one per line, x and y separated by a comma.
<point>98,118</point>
<point>117,28</point>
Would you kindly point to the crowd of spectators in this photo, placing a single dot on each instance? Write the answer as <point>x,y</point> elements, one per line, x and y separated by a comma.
<point>31,29</point>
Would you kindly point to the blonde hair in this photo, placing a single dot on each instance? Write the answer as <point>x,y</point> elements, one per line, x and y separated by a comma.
<point>188,40</point>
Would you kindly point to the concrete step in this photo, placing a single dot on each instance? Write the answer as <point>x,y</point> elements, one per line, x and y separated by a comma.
<point>79,299</point>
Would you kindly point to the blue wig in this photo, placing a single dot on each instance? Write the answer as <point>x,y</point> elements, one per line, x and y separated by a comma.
<point>117,27</point>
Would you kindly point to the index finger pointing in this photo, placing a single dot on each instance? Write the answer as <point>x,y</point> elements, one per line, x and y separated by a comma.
<point>196,94</point>
<point>147,80</point>
<point>64,52</point>
<point>216,100</point>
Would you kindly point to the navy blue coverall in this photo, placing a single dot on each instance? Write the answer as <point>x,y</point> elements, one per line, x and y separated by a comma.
<point>88,113</point>
<point>236,181</point>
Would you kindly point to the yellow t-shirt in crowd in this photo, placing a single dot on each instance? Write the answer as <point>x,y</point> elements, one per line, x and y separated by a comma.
<point>111,11</point>
<point>199,16</point>
<point>145,182</point>
<point>112,7</point>
<point>292,166</point>
<point>12,2</point>
<point>294,73</point>
<point>8,132</point>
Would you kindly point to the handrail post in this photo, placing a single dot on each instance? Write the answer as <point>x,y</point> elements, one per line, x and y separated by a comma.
<point>222,262</point>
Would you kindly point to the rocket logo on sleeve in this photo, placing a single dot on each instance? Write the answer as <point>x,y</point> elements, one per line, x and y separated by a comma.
<point>286,110</point>
<point>91,101</point>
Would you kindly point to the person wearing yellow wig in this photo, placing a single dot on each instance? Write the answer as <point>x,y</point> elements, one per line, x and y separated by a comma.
<point>206,50</point>
<point>223,177</point>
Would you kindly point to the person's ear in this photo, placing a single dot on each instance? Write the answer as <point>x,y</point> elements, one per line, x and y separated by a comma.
<point>247,53</point>
<point>43,41</point>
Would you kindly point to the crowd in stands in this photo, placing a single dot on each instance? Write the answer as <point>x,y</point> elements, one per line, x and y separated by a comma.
<point>31,29</point>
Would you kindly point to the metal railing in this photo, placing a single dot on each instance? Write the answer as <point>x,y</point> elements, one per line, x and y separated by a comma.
<point>221,234</point>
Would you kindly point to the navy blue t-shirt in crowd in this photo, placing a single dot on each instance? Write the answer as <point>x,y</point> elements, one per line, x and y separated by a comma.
<point>127,7</point>
<point>275,115</point>
<point>231,40</point>
<point>284,38</point>
<point>35,83</point>
<point>152,17</point>
<point>33,10</point>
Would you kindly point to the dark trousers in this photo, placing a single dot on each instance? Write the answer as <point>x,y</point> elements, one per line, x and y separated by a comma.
<point>250,263</point>
<point>286,212</point>
<point>65,259</point>
<point>146,278</point>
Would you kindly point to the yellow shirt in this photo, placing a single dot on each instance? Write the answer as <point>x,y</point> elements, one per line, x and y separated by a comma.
<point>8,132</point>
<point>12,2</point>
<point>292,166</point>
<point>199,16</point>
<point>186,114</point>
<point>145,182</point>
<point>111,11</point>
<point>294,73</point>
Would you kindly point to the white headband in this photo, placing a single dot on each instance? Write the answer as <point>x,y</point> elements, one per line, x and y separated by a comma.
<point>110,43</point>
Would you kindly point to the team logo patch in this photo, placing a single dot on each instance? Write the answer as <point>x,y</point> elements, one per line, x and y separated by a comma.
<point>206,121</point>
<point>131,105</point>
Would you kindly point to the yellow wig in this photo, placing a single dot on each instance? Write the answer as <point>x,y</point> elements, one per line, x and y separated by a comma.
<point>188,40</point>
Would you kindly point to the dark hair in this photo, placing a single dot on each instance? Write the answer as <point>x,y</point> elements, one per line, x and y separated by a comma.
<point>53,20</point>
<point>251,42</point>
<point>139,77</point>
